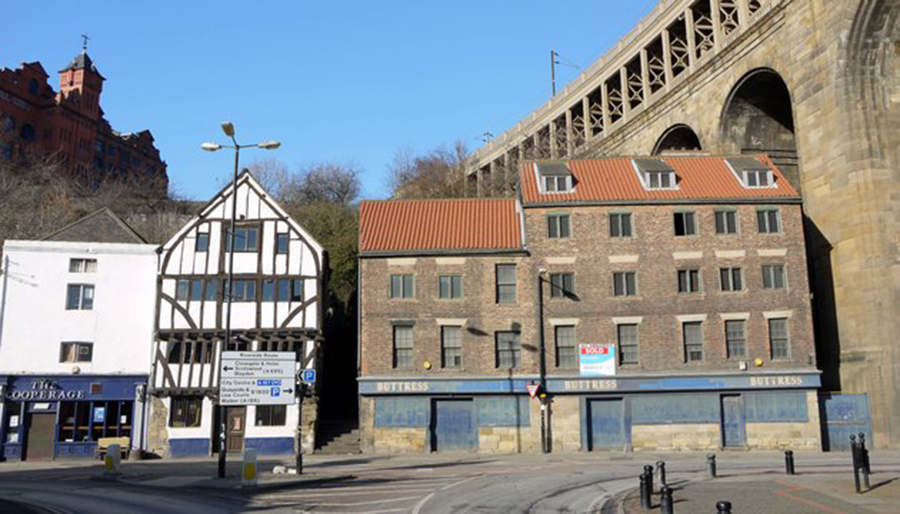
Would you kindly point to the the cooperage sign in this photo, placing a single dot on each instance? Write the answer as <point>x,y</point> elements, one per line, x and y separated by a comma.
<point>45,390</point>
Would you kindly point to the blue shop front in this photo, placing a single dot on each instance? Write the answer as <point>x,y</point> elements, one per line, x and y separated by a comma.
<point>64,416</point>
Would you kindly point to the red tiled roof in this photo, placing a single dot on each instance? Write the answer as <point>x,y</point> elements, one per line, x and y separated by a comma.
<point>615,180</point>
<point>437,225</point>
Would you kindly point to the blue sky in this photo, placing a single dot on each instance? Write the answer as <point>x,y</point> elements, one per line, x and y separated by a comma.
<point>334,81</point>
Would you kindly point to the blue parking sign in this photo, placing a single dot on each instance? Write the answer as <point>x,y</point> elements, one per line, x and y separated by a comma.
<point>308,376</point>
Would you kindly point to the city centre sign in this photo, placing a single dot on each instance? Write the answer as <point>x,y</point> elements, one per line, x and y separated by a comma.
<point>258,378</point>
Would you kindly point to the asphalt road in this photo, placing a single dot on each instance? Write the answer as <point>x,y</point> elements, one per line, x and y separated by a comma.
<point>379,485</point>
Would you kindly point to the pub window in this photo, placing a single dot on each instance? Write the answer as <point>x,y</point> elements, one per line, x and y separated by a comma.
<point>685,224</point>
<point>779,339</point>
<point>726,222</point>
<point>80,297</point>
<point>620,224</point>
<point>736,339</point>
<point>186,411</point>
<point>403,346</point>
<point>628,344</point>
<point>566,354</point>
<point>15,420</point>
<point>559,226</point>
<point>693,341</point>
<point>509,350</point>
<point>271,415</point>
<point>245,239</point>
<point>202,244</point>
<point>403,286</point>
<point>82,265</point>
<point>506,283</point>
<point>451,347</point>
<point>76,352</point>
<point>450,286</point>
<point>90,421</point>
<point>282,242</point>
<point>562,285</point>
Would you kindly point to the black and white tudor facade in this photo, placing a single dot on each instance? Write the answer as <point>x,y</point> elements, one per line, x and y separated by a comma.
<point>277,305</point>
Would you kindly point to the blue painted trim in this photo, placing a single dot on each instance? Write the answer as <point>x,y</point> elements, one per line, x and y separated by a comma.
<point>74,450</point>
<point>22,388</point>
<point>270,445</point>
<point>179,448</point>
<point>463,386</point>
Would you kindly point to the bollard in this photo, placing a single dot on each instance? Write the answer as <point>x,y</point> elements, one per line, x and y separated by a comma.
<point>854,455</point>
<point>248,474</point>
<point>666,505</point>
<point>711,465</point>
<point>661,471</point>
<point>864,459</point>
<point>648,470</point>
<point>112,460</point>
<point>789,462</point>
<point>723,508</point>
<point>646,503</point>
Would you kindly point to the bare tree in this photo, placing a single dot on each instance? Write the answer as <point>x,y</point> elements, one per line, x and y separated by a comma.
<point>331,183</point>
<point>439,173</point>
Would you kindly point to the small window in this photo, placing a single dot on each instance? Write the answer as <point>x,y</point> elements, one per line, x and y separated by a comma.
<point>562,285</point>
<point>202,244</point>
<point>244,290</point>
<point>76,352</point>
<point>726,222</point>
<point>620,224</point>
<point>752,173</point>
<point>558,184</point>
<point>271,415</point>
<point>656,174</point>
<point>506,283</point>
<point>403,286</point>
<point>450,287</point>
<point>559,226</point>
<point>693,341</point>
<point>688,281</point>
<point>557,177</point>
<point>685,224</point>
<point>33,86</point>
<point>28,132</point>
<point>196,290</point>
<point>773,276</point>
<point>82,265</point>
<point>509,350</point>
<point>212,290</point>
<point>566,347</point>
<point>289,290</point>
<point>768,221</point>
<point>779,339</point>
<point>186,411</point>
<point>268,290</point>
<point>735,339</point>
<point>731,279</point>
<point>245,239</point>
<point>625,283</point>
<point>282,242</point>
<point>80,297</point>
<point>182,289</point>
<point>403,346</point>
<point>628,343</point>
<point>451,347</point>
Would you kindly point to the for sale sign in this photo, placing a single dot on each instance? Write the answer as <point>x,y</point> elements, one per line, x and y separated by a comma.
<point>597,360</point>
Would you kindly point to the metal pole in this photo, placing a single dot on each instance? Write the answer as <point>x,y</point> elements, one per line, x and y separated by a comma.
<point>711,465</point>
<point>666,505</point>
<point>545,447</point>
<point>789,462</point>
<point>298,463</point>
<point>230,241</point>
<point>553,72</point>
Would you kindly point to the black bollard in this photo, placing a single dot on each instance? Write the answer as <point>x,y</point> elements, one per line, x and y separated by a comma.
<point>666,505</point>
<point>646,502</point>
<point>648,470</point>
<point>661,472</point>
<point>864,459</point>
<point>711,465</point>
<point>854,454</point>
<point>723,508</point>
<point>789,462</point>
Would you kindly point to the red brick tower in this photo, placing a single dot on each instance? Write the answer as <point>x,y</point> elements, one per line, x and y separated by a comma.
<point>80,84</point>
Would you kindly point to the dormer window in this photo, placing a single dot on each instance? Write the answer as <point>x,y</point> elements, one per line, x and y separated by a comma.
<point>655,174</point>
<point>555,177</point>
<point>751,173</point>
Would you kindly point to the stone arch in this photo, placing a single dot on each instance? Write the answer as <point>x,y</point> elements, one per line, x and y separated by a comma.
<point>758,117</point>
<point>678,137</point>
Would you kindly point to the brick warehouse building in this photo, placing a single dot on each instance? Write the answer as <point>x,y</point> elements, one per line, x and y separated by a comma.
<point>36,120</point>
<point>693,267</point>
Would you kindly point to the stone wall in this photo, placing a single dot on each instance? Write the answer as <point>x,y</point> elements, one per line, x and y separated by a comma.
<point>158,428</point>
<point>693,437</point>
<point>789,436</point>
<point>400,440</point>
<point>565,423</point>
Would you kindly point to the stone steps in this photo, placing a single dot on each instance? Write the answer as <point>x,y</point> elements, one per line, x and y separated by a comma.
<point>337,438</point>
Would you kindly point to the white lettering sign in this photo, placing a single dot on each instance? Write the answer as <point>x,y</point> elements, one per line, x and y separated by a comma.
<point>258,378</point>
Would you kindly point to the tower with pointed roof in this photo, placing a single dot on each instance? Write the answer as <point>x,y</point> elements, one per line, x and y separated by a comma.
<point>81,84</point>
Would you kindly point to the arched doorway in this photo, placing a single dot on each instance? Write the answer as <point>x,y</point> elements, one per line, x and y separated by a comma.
<point>758,118</point>
<point>677,138</point>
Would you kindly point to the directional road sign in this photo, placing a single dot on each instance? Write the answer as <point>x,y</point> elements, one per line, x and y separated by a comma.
<point>257,378</point>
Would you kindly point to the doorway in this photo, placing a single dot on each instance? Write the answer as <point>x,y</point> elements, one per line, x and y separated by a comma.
<point>454,426</point>
<point>606,419</point>
<point>235,428</point>
<point>734,430</point>
<point>39,442</point>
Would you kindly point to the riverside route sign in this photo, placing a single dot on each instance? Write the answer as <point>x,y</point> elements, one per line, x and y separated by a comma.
<point>258,378</point>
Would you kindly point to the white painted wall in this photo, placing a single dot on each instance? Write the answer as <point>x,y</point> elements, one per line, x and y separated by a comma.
<point>33,316</point>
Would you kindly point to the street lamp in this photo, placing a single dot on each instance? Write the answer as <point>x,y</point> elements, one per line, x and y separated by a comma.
<point>228,129</point>
<point>545,443</point>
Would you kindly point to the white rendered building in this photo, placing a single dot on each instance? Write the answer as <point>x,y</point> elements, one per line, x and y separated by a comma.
<point>76,333</point>
<point>276,306</point>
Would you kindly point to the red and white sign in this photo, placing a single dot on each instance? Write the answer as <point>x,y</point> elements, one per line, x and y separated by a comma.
<point>532,389</point>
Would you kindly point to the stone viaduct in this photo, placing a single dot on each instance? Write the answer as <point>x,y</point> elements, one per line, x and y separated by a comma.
<point>813,83</point>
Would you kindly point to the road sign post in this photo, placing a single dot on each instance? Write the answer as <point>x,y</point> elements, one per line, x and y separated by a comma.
<point>258,378</point>
<point>533,389</point>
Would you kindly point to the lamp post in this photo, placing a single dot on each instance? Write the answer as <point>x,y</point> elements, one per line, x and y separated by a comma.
<point>545,446</point>
<point>228,129</point>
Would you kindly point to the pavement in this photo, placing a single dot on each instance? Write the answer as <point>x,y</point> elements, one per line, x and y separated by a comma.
<point>449,483</point>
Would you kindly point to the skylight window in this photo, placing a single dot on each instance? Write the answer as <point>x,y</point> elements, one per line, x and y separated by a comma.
<point>751,173</point>
<point>555,177</point>
<point>655,174</point>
